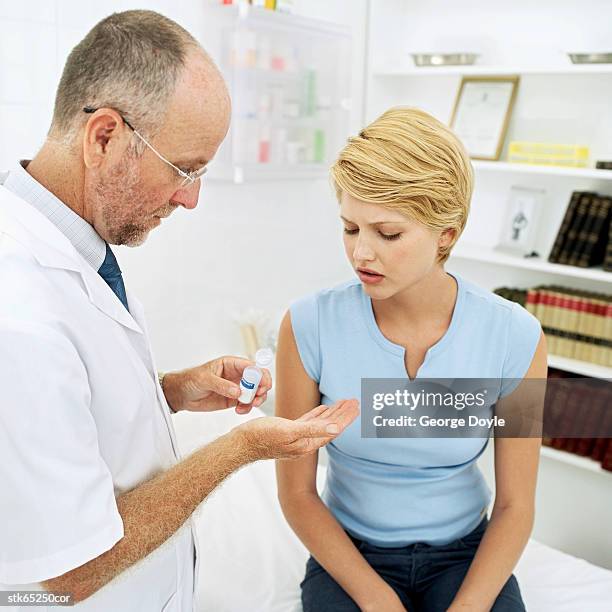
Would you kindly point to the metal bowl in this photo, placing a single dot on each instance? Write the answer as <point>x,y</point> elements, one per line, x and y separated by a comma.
<point>591,58</point>
<point>444,59</point>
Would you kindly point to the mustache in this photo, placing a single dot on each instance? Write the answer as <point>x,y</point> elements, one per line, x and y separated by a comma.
<point>165,211</point>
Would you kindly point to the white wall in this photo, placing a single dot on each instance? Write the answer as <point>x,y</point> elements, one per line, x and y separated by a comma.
<point>190,274</point>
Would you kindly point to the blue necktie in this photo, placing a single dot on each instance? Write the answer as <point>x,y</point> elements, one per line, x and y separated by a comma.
<point>111,273</point>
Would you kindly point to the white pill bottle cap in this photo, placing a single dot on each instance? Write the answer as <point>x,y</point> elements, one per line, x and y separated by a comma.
<point>264,357</point>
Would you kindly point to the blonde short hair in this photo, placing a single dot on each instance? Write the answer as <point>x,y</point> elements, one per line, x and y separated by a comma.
<point>408,161</point>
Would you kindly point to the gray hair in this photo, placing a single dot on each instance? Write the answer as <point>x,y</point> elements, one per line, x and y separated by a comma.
<point>129,61</point>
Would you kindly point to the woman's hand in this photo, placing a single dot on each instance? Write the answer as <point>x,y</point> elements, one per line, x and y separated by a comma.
<point>384,600</point>
<point>278,438</point>
<point>213,386</point>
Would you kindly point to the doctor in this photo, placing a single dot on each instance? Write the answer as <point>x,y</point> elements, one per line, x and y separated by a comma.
<point>96,501</point>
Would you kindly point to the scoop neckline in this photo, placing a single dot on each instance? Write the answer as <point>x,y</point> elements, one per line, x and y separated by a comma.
<point>396,349</point>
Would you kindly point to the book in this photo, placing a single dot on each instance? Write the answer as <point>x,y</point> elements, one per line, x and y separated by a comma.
<point>571,321</point>
<point>584,231</point>
<point>598,338</point>
<point>582,396</point>
<point>571,242</point>
<point>545,315</point>
<point>607,264</point>
<point>571,399</point>
<point>607,334</point>
<point>581,345</point>
<point>602,331</point>
<point>593,418</point>
<point>531,303</point>
<point>594,246</point>
<point>600,446</point>
<point>577,323</point>
<point>567,323</point>
<point>606,461</point>
<point>553,257</point>
<point>552,406</point>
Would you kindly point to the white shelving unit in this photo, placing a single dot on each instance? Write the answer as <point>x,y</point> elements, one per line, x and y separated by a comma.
<point>584,463</point>
<point>483,70</point>
<point>491,256</point>
<point>584,368</point>
<point>557,171</point>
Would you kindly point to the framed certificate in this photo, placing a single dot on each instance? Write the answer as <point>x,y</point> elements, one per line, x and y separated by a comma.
<point>482,112</point>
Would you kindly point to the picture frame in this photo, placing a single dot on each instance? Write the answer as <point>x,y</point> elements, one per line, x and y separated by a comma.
<point>519,226</point>
<point>481,114</point>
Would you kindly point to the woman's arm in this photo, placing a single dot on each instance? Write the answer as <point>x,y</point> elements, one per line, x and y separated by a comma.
<point>516,467</point>
<point>314,524</point>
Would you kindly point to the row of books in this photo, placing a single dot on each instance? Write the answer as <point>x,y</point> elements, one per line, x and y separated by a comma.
<point>597,415</point>
<point>577,323</point>
<point>584,238</point>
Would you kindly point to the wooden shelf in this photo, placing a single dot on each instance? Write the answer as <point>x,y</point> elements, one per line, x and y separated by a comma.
<point>489,255</point>
<point>576,460</point>
<point>481,70</point>
<point>594,370</point>
<point>575,173</point>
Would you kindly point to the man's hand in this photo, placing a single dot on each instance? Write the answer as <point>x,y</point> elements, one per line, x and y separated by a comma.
<point>278,438</point>
<point>213,386</point>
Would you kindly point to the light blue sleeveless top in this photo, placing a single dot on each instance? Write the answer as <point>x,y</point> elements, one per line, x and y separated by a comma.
<point>397,491</point>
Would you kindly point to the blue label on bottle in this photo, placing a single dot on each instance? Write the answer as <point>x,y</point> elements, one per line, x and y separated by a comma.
<point>247,385</point>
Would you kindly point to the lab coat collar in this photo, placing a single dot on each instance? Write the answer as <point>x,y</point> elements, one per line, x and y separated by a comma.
<point>53,250</point>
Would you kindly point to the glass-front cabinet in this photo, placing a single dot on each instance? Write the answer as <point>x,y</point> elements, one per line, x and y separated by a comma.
<point>290,88</point>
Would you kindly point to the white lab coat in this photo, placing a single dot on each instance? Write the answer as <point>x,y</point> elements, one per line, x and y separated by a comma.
<point>82,419</point>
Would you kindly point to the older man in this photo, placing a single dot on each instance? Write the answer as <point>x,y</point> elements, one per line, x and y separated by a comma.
<point>92,482</point>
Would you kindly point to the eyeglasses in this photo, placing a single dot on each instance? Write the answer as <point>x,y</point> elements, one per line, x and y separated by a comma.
<point>189,178</point>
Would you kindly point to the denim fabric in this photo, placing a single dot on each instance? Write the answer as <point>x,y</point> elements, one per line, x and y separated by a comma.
<point>426,578</point>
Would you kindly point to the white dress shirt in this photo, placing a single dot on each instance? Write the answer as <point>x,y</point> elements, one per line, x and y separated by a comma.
<point>81,234</point>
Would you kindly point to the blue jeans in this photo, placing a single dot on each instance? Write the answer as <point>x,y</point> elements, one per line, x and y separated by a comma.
<point>426,578</point>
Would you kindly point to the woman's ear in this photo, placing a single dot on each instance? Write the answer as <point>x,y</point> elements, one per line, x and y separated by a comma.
<point>446,237</point>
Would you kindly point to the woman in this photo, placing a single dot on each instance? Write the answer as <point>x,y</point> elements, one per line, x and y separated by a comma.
<point>402,523</point>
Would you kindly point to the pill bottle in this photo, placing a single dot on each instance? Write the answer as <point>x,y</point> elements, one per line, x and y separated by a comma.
<point>251,377</point>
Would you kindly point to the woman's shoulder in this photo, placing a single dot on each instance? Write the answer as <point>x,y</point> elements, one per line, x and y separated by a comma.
<point>343,293</point>
<point>485,302</point>
<point>505,324</point>
<point>318,318</point>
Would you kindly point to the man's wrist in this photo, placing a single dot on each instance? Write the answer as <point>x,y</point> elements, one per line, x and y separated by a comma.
<point>167,382</point>
<point>243,442</point>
